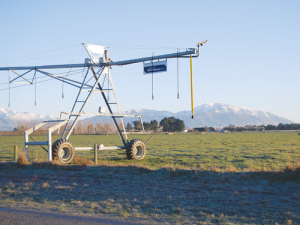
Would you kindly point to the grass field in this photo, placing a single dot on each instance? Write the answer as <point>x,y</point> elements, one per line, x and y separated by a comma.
<point>240,151</point>
<point>242,178</point>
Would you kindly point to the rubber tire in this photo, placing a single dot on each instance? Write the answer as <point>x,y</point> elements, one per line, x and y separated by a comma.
<point>136,149</point>
<point>63,151</point>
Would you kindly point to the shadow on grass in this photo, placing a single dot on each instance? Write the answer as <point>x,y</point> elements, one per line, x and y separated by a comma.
<point>288,174</point>
<point>171,194</point>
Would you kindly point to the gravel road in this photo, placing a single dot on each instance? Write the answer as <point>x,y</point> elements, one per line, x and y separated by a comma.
<point>11,216</point>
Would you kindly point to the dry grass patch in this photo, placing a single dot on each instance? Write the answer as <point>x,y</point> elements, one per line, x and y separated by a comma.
<point>22,160</point>
<point>290,168</point>
<point>289,222</point>
<point>46,185</point>
<point>37,160</point>
<point>202,167</point>
<point>61,187</point>
<point>231,169</point>
<point>83,161</point>
<point>55,162</point>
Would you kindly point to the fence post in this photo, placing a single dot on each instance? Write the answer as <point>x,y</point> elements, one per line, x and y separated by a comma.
<point>95,154</point>
<point>16,153</point>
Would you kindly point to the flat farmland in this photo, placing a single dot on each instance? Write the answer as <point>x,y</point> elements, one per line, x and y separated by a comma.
<point>240,151</point>
<point>241,178</point>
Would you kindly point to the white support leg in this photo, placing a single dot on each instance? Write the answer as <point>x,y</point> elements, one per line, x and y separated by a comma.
<point>26,146</point>
<point>49,146</point>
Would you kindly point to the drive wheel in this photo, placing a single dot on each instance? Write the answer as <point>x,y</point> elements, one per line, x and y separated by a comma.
<point>136,149</point>
<point>63,151</point>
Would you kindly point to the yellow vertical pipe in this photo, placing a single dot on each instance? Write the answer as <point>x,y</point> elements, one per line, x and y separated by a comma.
<point>192,92</point>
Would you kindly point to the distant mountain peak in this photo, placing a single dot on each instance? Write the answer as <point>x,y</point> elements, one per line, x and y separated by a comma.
<point>208,114</point>
<point>9,118</point>
<point>208,107</point>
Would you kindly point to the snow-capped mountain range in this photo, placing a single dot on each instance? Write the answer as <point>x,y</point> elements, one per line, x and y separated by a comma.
<point>215,114</point>
<point>209,114</point>
<point>10,118</point>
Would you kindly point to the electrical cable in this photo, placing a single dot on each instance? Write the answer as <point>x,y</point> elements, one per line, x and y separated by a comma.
<point>152,77</point>
<point>178,50</point>
<point>27,84</point>
<point>62,84</point>
<point>109,45</point>
<point>104,80</point>
<point>9,88</point>
<point>35,87</point>
<point>88,81</point>
<point>136,46</point>
<point>82,74</point>
<point>48,57</point>
<point>74,72</point>
<point>108,87</point>
<point>39,53</point>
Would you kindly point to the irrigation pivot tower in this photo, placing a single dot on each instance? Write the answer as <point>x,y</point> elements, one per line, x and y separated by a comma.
<point>97,73</point>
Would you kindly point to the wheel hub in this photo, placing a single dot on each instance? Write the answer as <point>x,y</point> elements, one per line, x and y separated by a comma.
<point>65,153</point>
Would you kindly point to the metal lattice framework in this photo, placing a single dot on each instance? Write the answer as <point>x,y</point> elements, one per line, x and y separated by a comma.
<point>93,82</point>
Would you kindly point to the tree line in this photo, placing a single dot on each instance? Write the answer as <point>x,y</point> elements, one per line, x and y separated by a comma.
<point>168,124</point>
<point>80,128</point>
<point>280,126</point>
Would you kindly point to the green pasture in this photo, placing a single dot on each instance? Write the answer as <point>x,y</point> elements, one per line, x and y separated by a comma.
<point>209,151</point>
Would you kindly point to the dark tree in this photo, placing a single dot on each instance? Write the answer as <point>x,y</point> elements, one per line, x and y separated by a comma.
<point>239,129</point>
<point>154,125</point>
<point>147,126</point>
<point>230,128</point>
<point>206,129</point>
<point>288,126</point>
<point>137,125</point>
<point>270,127</point>
<point>281,126</point>
<point>129,126</point>
<point>170,124</point>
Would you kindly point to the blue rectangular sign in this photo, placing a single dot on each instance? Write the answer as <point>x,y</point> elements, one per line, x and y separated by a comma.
<point>155,67</point>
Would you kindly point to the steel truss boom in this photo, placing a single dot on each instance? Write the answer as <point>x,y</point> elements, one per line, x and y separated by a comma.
<point>190,52</point>
<point>166,56</point>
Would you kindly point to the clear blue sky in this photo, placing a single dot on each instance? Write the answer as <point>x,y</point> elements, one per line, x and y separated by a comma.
<point>252,57</point>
